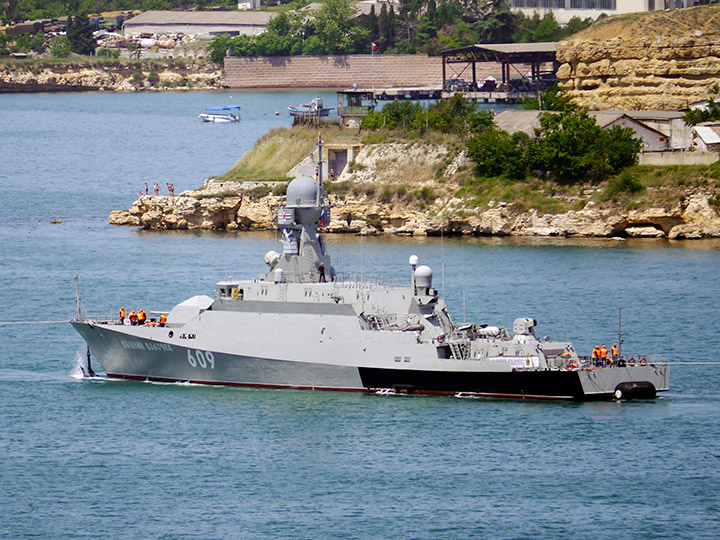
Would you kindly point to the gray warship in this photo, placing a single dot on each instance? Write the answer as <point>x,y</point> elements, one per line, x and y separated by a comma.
<point>300,325</point>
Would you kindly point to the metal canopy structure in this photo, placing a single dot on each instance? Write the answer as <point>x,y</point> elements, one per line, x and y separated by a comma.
<point>507,54</point>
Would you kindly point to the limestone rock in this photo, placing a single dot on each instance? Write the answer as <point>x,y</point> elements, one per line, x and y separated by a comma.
<point>118,78</point>
<point>645,61</point>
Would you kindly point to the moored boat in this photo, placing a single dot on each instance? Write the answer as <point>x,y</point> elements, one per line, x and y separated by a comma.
<point>313,108</point>
<point>303,325</point>
<point>221,114</point>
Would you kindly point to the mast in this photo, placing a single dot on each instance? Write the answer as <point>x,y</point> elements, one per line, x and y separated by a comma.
<point>620,341</point>
<point>320,194</point>
<point>78,312</point>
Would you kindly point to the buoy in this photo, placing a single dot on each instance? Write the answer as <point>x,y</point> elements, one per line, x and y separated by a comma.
<point>277,113</point>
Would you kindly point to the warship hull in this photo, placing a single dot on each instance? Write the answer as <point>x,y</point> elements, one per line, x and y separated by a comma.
<point>124,354</point>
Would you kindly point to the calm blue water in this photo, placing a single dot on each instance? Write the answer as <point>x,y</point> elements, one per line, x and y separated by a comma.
<point>83,459</point>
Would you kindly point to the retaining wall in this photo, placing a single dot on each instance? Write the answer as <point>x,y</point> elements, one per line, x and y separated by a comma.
<point>677,158</point>
<point>365,70</point>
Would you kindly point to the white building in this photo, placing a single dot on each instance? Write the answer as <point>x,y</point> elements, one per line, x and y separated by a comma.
<point>198,23</point>
<point>564,10</point>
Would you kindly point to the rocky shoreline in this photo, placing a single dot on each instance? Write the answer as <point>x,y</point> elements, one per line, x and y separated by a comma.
<point>112,78</point>
<point>213,208</point>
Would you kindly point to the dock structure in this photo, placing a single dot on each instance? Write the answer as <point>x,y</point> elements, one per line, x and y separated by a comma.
<point>391,94</point>
<point>356,103</point>
<point>534,65</point>
<point>513,57</point>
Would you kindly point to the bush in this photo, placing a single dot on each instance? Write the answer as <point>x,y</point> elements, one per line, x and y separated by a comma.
<point>280,189</point>
<point>60,47</point>
<point>625,183</point>
<point>137,77</point>
<point>258,192</point>
<point>153,77</point>
<point>496,153</point>
<point>108,53</point>
<point>338,188</point>
<point>386,196</point>
<point>426,195</point>
<point>397,115</point>
<point>457,115</point>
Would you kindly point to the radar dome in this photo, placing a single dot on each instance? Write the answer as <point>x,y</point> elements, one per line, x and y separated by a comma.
<point>302,192</point>
<point>271,258</point>
<point>423,277</point>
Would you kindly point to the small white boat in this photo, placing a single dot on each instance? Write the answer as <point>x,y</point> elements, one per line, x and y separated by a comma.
<point>314,108</point>
<point>221,114</point>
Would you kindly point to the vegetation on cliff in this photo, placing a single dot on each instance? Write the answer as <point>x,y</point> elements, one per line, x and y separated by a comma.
<point>569,145</point>
<point>435,175</point>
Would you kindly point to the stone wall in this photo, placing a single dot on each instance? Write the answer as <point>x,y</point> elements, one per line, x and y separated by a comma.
<point>365,70</point>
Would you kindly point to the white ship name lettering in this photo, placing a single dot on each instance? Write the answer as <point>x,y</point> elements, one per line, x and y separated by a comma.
<point>158,347</point>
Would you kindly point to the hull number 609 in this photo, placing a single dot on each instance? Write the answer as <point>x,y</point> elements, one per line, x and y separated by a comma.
<point>204,359</point>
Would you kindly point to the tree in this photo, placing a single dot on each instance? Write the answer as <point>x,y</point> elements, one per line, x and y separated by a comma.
<point>336,28</point>
<point>710,112</point>
<point>386,27</point>
<point>551,100</point>
<point>497,153</point>
<point>496,23</point>
<point>80,35</point>
<point>457,115</point>
<point>572,147</point>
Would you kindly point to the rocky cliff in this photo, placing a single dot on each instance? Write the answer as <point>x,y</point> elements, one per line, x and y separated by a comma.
<point>32,77</point>
<point>643,61</point>
<point>228,206</point>
<point>695,218</point>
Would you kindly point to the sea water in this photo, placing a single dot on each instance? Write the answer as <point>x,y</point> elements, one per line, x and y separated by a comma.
<point>99,459</point>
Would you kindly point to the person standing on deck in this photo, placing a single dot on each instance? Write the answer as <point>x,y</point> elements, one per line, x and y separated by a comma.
<point>121,314</point>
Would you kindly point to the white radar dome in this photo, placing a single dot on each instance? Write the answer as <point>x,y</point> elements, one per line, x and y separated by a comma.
<point>414,260</point>
<point>271,258</point>
<point>423,276</point>
<point>302,192</point>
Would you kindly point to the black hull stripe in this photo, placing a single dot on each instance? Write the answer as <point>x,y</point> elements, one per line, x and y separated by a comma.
<point>405,387</point>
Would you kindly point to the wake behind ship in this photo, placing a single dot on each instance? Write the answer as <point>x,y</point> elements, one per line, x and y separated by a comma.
<point>300,325</point>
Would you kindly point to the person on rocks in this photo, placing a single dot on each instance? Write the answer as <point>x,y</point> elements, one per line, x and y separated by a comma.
<point>146,188</point>
<point>156,189</point>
